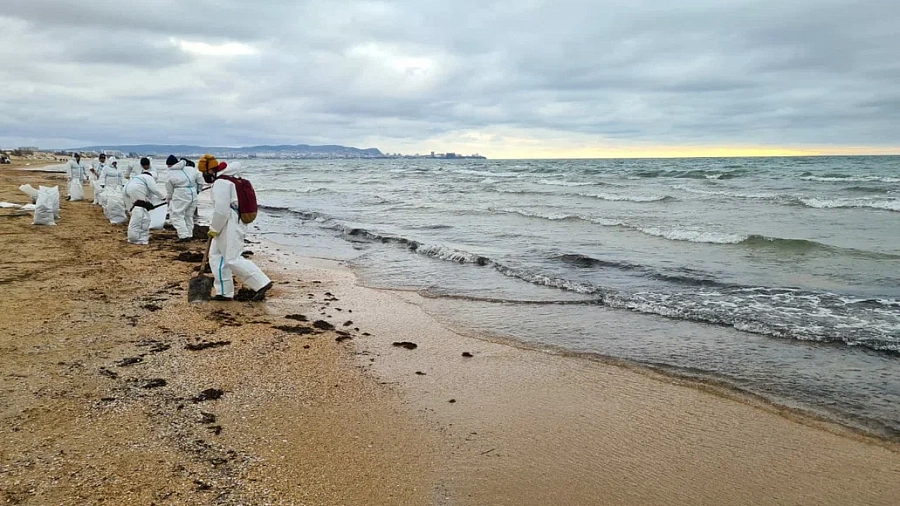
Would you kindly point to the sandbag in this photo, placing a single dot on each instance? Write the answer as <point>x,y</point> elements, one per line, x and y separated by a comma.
<point>95,185</point>
<point>101,197</point>
<point>76,191</point>
<point>30,191</point>
<point>115,206</point>
<point>54,194</point>
<point>44,213</point>
<point>158,217</point>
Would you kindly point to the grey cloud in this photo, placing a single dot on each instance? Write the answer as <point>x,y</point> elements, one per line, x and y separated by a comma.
<point>701,71</point>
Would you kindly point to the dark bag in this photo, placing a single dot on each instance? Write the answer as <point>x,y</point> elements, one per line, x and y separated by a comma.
<point>143,203</point>
<point>247,206</point>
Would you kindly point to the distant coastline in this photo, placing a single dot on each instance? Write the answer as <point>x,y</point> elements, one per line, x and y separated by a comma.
<point>284,152</point>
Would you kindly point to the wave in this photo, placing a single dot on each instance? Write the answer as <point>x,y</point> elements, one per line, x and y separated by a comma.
<point>567,183</point>
<point>485,173</point>
<point>719,193</point>
<point>628,198</point>
<point>842,178</point>
<point>561,217</point>
<point>683,277</point>
<point>691,174</point>
<point>778,312</point>
<point>883,205</point>
<point>781,245</point>
<point>698,236</point>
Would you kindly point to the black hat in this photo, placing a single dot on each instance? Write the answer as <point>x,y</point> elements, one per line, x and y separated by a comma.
<point>145,162</point>
<point>171,160</point>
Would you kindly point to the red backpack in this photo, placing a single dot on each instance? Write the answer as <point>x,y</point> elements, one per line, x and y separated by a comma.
<point>247,206</point>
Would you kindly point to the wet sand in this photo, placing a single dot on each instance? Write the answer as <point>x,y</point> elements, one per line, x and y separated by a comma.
<point>314,415</point>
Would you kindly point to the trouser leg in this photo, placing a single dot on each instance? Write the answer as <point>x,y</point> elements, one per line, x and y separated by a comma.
<point>224,280</point>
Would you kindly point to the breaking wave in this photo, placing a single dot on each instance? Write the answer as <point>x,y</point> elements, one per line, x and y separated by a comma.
<point>628,198</point>
<point>691,174</point>
<point>842,178</point>
<point>881,204</point>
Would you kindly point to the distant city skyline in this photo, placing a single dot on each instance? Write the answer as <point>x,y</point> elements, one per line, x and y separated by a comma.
<point>538,79</point>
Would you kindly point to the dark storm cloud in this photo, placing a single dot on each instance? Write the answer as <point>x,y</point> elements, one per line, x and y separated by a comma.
<point>703,71</point>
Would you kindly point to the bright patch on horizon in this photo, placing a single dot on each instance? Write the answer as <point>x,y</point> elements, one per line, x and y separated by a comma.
<point>206,49</point>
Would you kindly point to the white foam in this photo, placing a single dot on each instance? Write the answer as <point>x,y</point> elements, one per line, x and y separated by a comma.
<point>565,183</point>
<point>626,198</point>
<point>698,191</point>
<point>886,205</point>
<point>444,253</point>
<point>851,179</point>
<point>698,236</point>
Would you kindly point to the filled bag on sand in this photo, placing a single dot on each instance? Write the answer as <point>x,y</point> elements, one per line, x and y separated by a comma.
<point>101,197</point>
<point>54,198</point>
<point>76,191</point>
<point>30,191</point>
<point>95,185</point>
<point>158,216</point>
<point>43,210</point>
<point>115,207</point>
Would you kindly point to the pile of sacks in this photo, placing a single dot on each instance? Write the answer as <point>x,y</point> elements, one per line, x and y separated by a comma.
<point>112,199</point>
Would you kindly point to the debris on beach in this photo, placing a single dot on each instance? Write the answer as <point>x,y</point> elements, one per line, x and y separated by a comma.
<point>323,325</point>
<point>189,256</point>
<point>293,329</point>
<point>296,317</point>
<point>466,354</point>
<point>127,361</point>
<point>405,344</point>
<point>155,383</point>
<point>109,374</point>
<point>210,394</point>
<point>203,345</point>
<point>348,323</point>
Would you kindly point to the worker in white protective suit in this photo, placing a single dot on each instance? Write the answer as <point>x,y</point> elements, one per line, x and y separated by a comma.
<point>131,169</point>
<point>139,191</point>
<point>97,168</point>
<point>227,232</point>
<point>76,176</point>
<point>182,189</point>
<point>112,177</point>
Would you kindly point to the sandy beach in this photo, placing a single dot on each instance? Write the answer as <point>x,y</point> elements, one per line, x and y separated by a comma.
<point>115,390</point>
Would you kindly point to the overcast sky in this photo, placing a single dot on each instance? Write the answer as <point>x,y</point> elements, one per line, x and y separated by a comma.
<point>505,78</point>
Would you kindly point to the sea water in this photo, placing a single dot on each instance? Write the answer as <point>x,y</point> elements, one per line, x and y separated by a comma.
<point>779,276</point>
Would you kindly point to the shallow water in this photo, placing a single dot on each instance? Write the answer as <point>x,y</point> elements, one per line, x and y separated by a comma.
<point>777,275</point>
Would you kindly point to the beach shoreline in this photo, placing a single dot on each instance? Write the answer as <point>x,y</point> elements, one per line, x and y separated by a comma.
<point>313,416</point>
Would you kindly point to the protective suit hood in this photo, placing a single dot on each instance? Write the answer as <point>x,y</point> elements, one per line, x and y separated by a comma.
<point>233,170</point>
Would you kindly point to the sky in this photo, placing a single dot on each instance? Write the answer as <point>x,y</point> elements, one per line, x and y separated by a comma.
<point>507,78</point>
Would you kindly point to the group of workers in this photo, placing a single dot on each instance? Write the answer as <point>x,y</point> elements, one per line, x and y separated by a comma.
<point>182,189</point>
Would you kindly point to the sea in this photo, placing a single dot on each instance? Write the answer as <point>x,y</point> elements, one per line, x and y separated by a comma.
<point>779,277</point>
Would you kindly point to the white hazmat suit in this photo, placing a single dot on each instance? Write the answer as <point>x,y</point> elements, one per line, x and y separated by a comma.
<point>182,188</point>
<point>76,177</point>
<point>141,189</point>
<point>225,258</point>
<point>97,168</point>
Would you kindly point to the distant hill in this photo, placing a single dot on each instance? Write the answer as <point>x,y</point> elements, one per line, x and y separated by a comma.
<point>281,151</point>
